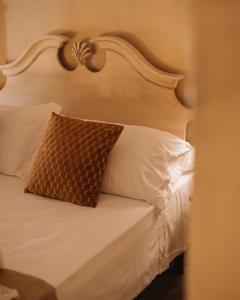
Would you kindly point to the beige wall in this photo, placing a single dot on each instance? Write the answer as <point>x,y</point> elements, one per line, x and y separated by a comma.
<point>2,34</point>
<point>2,39</point>
<point>214,262</point>
<point>160,28</point>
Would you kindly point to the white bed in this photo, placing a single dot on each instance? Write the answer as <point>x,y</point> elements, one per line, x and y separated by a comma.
<point>69,246</point>
<point>115,250</point>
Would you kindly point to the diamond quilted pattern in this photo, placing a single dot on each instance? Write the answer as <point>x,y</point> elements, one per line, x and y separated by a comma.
<point>71,160</point>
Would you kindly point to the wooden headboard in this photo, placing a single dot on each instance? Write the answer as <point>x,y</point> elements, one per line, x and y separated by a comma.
<point>128,89</point>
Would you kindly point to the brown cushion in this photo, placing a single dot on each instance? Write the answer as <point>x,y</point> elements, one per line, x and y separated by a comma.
<point>71,160</point>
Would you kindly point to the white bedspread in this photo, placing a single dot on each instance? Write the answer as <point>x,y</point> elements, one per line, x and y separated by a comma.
<point>109,252</point>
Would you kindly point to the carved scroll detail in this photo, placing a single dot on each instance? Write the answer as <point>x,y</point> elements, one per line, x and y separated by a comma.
<point>29,56</point>
<point>81,51</point>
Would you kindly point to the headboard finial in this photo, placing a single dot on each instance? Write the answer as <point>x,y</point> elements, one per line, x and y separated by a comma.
<point>81,51</point>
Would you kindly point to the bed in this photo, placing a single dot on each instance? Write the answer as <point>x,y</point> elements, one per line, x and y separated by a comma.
<point>116,249</point>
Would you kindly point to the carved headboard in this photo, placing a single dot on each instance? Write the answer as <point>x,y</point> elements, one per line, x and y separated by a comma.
<point>128,89</point>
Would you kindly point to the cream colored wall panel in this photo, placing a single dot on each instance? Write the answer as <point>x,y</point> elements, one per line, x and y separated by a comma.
<point>3,50</point>
<point>2,34</point>
<point>214,262</point>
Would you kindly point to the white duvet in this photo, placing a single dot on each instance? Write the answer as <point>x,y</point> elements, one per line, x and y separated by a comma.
<point>109,252</point>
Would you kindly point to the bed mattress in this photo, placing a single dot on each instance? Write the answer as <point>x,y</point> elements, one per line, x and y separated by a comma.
<point>112,251</point>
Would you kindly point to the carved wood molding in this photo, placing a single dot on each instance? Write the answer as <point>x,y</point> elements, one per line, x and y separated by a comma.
<point>138,61</point>
<point>164,111</point>
<point>81,51</point>
<point>31,53</point>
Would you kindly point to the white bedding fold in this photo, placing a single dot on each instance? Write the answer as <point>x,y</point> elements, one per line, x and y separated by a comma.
<point>8,294</point>
<point>5,292</point>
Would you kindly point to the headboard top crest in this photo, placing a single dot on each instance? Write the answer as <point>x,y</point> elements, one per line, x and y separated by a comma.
<point>82,50</point>
<point>129,89</point>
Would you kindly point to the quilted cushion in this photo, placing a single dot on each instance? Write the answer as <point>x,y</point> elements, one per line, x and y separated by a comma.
<point>71,160</point>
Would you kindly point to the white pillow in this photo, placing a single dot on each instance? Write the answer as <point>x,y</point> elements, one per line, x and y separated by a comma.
<point>145,163</point>
<point>21,129</point>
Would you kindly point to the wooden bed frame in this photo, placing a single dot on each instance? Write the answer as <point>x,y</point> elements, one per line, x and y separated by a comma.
<point>128,89</point>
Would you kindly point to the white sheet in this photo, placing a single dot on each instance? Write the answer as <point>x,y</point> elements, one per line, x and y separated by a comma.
<point>110,252</point>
